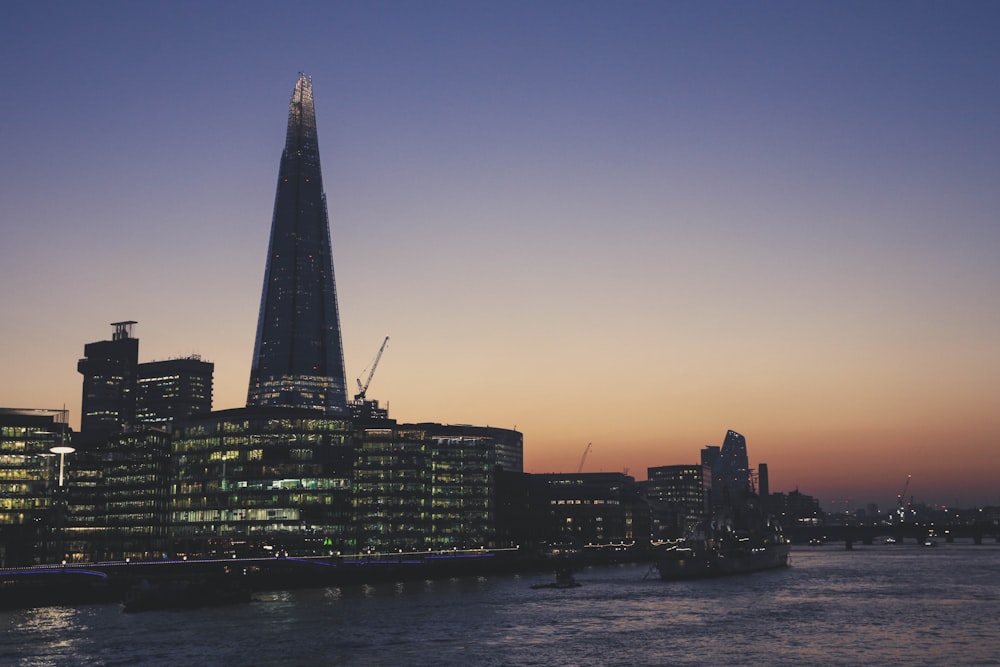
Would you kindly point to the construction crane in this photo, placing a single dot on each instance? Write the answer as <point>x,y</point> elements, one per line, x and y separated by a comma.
<point>363,388</point>
<point>583,458</point>
<point>901,499</point>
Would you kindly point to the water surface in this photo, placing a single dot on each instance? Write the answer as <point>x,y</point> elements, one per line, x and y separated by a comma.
<point>894,604</point>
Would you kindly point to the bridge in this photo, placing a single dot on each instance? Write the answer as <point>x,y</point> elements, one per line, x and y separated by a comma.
<point>902,533</point>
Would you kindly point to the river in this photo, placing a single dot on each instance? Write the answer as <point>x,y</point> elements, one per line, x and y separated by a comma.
<point>893,604</point>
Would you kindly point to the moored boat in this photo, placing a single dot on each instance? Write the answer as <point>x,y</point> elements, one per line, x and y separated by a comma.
<point>720,560</point>
<point>564,579</point>
<point>725,546</point>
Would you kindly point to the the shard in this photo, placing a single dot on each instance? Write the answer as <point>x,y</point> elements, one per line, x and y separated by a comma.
<point>298,356</point>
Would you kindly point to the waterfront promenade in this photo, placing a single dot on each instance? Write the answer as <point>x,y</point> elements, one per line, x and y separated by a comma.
<point>83,583</point>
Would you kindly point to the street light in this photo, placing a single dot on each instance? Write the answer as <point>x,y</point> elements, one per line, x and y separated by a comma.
<point>62,451</point>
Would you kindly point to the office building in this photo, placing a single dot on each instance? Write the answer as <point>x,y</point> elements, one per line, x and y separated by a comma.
<point>730,465</point>
<point>574,511</point>
<point>29,473</point>
<point>392,493</point>
<point>678,498</point>
<point>298,358</point>
<point>258,480</point>
<point>172,390</point>
<point>109,369</point>
<point>135,484</point>
<point>278,474</point>
<point>428,485</point>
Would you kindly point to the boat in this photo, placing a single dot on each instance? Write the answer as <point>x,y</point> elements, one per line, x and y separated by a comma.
<point>185,594</point>
<point>724,547</point>
<point>564,579</point>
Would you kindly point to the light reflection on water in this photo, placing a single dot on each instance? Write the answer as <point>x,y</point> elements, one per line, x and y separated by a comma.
<point>873,605</point>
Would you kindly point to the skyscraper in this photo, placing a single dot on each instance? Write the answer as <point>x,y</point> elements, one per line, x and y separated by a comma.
<point>109,378</point>
<point>278,474</point>
<point>731,472</point>
<point>298,355</point>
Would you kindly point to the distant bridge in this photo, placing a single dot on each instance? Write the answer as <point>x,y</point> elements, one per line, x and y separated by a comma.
<point>907,532</point>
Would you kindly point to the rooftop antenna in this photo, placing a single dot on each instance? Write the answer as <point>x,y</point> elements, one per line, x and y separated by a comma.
<point>123,330</point>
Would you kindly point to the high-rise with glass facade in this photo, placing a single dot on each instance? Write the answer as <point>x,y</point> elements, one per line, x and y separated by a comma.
<point>298,359</point>
<point>28,476</point>
<point>730,470</point>
<point>278,474</point>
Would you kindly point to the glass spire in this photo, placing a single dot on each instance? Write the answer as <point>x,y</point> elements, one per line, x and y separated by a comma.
<point>298,356</point>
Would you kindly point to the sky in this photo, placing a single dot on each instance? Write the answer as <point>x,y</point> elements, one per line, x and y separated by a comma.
<point>631,224</point>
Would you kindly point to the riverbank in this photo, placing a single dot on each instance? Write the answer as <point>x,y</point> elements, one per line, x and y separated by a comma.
<point>93,583</point>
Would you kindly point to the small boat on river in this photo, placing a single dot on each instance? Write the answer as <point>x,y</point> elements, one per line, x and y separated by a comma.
<point>564,579</point>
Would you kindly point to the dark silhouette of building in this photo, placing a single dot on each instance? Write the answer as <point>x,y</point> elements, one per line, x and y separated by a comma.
<point>173,389</point>
<point>109,369</point>
<point>763,485</point>
<point>298,360</point>
<point>120,394</point>
<point>797,509</point>
<point>678,498</point>
<point>710,456</point>
<point>571,511</point>
<point>730,469</point>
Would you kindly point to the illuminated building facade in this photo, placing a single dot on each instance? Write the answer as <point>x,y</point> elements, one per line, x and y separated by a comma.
<point>28,475</point>
<point>109,369</point>
<point>135,484</point>
<point>298,360</point>
<point>678,498</point>
<point>392,488</point>
<point>173,389</point>
<point>253,479</point>
<point>464,464</point>
<point>428,486</point>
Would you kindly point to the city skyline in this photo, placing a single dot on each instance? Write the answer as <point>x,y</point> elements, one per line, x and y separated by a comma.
<point>638,226</point>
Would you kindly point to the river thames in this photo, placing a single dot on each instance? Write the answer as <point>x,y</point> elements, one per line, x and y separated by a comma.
<point>892,604</point>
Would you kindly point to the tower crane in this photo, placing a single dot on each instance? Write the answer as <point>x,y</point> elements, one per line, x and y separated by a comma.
<point>363,388</point>
<point>584,458</point>
<point>901,499</point>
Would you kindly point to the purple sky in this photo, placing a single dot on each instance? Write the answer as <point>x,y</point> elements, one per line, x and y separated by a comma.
<point>627,223</point>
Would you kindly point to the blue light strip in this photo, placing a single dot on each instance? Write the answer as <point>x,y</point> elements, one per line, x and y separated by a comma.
<point>18,573</point>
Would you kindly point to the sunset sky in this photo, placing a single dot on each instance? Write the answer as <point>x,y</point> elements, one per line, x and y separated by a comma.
<point>636,224</point>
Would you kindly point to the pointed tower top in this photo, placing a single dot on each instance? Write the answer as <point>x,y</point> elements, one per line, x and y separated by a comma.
<point>301,138</point>
<point>298,357</point>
